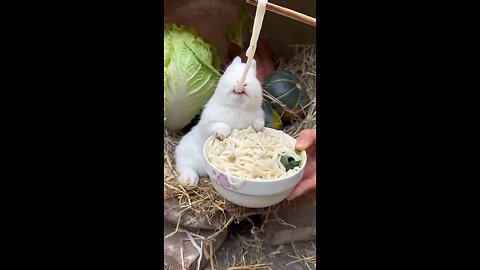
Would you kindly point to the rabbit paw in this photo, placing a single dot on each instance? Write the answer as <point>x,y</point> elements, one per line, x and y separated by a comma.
<point>222,134</point>
<point>222,131</point>
<point>189,178</point>
<point>258,125</point>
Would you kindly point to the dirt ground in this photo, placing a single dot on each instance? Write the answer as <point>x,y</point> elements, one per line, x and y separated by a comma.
<point>245,245</point>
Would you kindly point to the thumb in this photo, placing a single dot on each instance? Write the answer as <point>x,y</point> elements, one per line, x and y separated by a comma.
<point>306,138</point>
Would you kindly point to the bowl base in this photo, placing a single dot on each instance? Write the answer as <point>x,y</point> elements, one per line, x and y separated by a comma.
<point>251,201</point>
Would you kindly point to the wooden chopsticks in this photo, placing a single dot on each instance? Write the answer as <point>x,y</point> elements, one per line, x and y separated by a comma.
<point>288,13</point>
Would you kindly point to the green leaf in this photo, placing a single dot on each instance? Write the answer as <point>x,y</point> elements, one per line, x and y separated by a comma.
<point>289,162</point>
<point>190,75</point>
<point>235,30</point>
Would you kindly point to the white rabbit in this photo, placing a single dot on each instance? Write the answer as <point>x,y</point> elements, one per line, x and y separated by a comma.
<point>226,110</point>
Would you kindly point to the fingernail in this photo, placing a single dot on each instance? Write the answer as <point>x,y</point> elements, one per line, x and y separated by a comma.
<point>300,143</point>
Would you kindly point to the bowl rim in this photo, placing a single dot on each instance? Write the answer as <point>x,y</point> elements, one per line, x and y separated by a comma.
<point>303,153</point>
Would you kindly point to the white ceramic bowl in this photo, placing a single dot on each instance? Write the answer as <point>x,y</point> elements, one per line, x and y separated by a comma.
<point>253,193</point>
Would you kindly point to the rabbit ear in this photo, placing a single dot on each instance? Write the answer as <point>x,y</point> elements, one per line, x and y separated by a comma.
<point>237,60</point>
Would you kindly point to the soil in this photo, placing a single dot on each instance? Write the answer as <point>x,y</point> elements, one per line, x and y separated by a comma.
<point>245,245</point>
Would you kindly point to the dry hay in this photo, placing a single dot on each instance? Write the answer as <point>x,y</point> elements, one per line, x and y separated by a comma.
<point>255,266</point>
<point>302,65</point>
<point>253,252</point>
<point>309,258</point>
<point>247,249</point>
<point>202,199</point>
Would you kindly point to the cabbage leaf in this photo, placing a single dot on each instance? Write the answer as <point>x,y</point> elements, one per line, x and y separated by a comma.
<point>190,75</point>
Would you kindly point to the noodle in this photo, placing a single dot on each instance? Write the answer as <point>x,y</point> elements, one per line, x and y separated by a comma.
<point>248,154</point>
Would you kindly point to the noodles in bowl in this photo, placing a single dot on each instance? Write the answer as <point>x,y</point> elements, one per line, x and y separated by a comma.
<point>254,169</point>
<point>248,154</point>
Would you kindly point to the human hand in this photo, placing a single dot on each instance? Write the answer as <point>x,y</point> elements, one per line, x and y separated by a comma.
<point>307,140</point>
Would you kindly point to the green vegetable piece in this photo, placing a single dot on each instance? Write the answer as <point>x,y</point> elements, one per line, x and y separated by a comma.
<point>289,162</point>
<point>190,74</point>
<point>235,30</point>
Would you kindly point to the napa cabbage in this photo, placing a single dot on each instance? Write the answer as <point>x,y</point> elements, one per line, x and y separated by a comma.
<point>191,73</point>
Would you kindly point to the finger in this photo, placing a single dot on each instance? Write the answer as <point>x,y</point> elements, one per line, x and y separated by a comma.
<point>306,138</point>
<point>300,190</point>
<point>311,164</point>
<point>311,151</point>
<point>305,185</point>
<point>309,172</point>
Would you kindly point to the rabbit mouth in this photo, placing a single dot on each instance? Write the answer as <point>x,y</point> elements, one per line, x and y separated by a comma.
<point>240,94</point>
